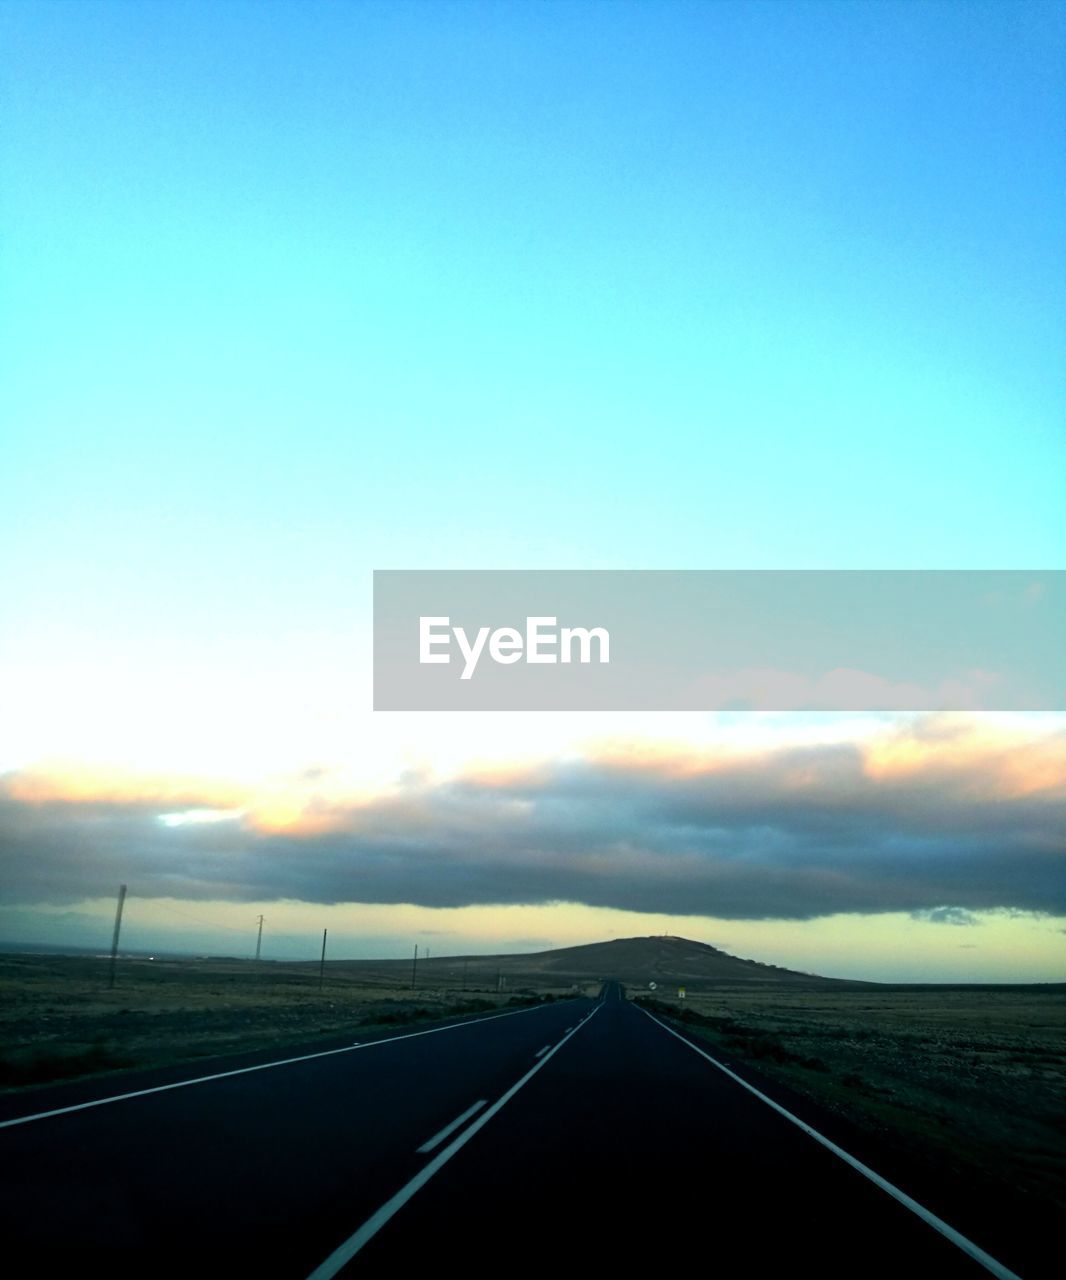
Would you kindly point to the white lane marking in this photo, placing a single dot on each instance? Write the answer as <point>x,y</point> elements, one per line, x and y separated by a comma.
<point>263,1066</point>
<point>449,1129</point>
<point>938,1224</point>
<point>540,1051</point>
<point>355,1044</point>
<point>343,1254</point>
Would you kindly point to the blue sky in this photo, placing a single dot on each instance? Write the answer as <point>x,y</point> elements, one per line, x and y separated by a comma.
<point>291,292</point>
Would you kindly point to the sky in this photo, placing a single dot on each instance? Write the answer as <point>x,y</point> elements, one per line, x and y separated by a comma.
<point>294,292</point>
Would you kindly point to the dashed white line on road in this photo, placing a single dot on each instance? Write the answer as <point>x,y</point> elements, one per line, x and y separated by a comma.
<point>449,1129</point>
<point>540,1051</point>
<point>343,1254</point>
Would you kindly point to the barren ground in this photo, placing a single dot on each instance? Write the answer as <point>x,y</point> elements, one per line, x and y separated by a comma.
<point>974,1078</point>
<point>59,1019</point>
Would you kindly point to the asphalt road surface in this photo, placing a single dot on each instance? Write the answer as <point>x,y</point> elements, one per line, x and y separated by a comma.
<point>581,1133</point>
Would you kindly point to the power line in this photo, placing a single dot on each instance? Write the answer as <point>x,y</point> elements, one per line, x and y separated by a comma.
<point>214,924</point>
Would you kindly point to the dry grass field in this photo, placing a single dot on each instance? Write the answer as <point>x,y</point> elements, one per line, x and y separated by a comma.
<point>973,1078</point>
<point>59,1019</point>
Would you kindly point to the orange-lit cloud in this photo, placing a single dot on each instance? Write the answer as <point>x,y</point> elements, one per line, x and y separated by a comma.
<point>1004,760</point>
<point>66,783</point>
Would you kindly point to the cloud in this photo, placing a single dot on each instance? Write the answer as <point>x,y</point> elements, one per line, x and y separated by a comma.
<point>946,915</point>
<point>908,822</point>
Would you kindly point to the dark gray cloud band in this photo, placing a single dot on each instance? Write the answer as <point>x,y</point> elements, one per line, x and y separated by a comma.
<point>794,834</point>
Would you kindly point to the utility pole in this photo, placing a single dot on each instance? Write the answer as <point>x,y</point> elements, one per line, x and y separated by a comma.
<point>414,968</point>
<point>114,936</point>
<point>322,962</point>
<point>259,940</point>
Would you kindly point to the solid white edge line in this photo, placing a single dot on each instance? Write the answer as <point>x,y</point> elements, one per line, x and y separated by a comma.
<point>262,1066</point>
<point>449,1129</point>
<point>927,1216</point>
<point>344,1253</point>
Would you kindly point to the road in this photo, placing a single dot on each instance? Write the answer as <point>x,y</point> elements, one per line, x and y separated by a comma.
<point>582,1132</point>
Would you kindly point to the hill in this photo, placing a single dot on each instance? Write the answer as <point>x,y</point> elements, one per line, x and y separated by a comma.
<point>637,962</point>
